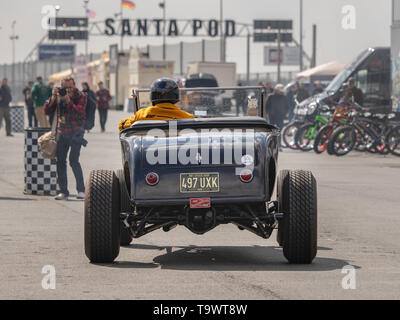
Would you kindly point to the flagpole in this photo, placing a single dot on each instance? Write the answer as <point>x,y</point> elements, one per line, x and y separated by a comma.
<point>86,2</point>
<point>164,23</point>
<point>122,37</point>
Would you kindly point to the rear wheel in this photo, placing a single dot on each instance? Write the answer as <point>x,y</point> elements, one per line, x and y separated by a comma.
<point>342,141</point>
<point>126,207</point>
<point>102,208</point>
<point>297,231</point>
<point>393,141</point>
<point>322,138</point>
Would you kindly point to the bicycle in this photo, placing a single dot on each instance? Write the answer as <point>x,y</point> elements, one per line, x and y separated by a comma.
<point>289,131</point>
<point>320,116</point>
<point>378,135</point>
<point>340,118</point>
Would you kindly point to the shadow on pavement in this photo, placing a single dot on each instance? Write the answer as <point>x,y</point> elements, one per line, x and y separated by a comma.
<point>128,264</point>
<point>226,258</point>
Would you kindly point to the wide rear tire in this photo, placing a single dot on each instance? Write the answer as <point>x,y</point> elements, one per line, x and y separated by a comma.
<point>102,222</point>
<point>297,200</point>
<point>126,207</point>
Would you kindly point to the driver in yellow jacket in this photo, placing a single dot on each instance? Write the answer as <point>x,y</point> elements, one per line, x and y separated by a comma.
<point>164,94</point>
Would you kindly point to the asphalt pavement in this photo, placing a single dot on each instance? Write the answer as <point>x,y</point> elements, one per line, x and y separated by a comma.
<point>358,228</point>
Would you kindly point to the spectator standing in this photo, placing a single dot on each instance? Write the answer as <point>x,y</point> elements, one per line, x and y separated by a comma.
<point>355,92</point>
<point>29,105</point>
<point>277,106</point>
<point>302,93</point>
<point>268,87</point>
<point>40,93</point>
<point>71,129</point>
<point>90,106</point>
<point>240,97</point>
<point>318,88</point>
<point>291,96</point>
<point>103,100</point>
<point>5,99</point>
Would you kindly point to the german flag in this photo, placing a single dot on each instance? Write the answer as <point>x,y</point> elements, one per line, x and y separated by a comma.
<point>127,4</point>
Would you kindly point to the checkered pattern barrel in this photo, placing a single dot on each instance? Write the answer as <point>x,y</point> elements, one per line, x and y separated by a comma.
<point>40,174</point>
<point>17,116</point>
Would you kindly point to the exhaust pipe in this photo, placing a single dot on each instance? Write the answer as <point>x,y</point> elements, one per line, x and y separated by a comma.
<point>169,227</point>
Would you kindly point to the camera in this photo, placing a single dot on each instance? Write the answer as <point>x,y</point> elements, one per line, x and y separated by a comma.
<point>62,92</point>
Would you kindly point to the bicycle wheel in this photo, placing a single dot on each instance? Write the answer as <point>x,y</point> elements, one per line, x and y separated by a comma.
<point>289,133</point>
<point>305,136</point>
<point>342,141</point>
<point>322,138</point>
<point>393,141</point>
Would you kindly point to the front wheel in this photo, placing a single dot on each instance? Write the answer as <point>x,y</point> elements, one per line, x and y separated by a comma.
<point>102,223</point>
<point>322,138</point>
<point>305,136</point>
<point>289,133</point>
<point>297,200</point>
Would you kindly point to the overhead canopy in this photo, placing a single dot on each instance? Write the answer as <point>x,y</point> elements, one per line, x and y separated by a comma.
<point>323,72</point>
<point>57,77</point>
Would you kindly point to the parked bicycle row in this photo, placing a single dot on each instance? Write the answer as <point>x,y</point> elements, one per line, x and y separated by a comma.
<point>341,128</point>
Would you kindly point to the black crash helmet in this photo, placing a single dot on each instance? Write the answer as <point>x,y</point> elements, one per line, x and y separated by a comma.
<point>164,90</point>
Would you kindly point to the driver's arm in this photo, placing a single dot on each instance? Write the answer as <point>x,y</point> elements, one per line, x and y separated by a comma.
<point>126,122</point>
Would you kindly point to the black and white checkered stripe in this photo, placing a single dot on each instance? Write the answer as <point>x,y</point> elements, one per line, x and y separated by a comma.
<point>40,174</point>
<point>17,116</point>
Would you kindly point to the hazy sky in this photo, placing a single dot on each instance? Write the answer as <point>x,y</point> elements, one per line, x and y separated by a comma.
<point>372,24</point>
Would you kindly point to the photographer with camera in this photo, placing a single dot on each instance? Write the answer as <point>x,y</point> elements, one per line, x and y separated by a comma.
<point>71,129</point>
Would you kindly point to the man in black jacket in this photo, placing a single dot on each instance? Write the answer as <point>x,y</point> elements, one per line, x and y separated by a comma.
<point>302,93</point>
<point>5,99</point>
<point>277,106</point>
<point>29,105</point>
<point>355,92</point>
<point>317,88</point>
<point>90,106</point>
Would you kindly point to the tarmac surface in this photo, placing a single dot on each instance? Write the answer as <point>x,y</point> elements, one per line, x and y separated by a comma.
<point>358,225</point>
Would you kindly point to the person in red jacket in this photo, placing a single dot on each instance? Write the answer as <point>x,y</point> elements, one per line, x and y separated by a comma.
<point>71,129</point>
<point>103,100</point>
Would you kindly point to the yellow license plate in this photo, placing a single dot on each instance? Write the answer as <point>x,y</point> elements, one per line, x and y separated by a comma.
<point>199,182</point>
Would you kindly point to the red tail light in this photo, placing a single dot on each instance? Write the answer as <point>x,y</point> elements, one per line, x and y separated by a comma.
<point>152,178</point>
<point>246,175</point>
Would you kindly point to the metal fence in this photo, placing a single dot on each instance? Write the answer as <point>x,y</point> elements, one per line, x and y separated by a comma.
<point>264,77</point>
<point>28,71</point>
<point>183,53</point>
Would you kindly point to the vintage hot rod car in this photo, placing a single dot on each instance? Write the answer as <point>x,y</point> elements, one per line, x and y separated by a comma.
<point>201,173</point>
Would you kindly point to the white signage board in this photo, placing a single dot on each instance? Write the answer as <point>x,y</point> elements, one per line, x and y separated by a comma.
<point>289,56</point>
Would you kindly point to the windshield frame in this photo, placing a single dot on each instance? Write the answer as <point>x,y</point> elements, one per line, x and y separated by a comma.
<point>349,69</point>
<point>136,93</point>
